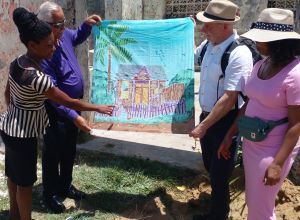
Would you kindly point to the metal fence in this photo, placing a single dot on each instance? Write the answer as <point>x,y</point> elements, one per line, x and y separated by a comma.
<point>184,8</point>
<point>288,4</point>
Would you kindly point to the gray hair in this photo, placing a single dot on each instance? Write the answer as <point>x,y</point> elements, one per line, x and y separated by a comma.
<point>46,11</point>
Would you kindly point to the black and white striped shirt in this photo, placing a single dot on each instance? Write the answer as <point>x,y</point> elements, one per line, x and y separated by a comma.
<point>26,114</point>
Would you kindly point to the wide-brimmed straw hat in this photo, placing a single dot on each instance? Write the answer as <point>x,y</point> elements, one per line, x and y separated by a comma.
<point>219,11</point>
<point>273,24</point>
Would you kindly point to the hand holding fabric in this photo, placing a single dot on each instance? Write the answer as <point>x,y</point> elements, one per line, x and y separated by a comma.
<point>93,19</point>
<point>192,17</point>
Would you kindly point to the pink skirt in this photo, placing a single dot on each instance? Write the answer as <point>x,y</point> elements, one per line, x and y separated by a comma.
<point>257,156</point>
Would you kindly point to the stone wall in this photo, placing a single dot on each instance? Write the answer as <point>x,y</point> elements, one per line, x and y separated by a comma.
<point>123,9</point>
<point>154,9</point>
<point>68,7</point>
<point>134,9</point>
<point>96,7</point>
<point>249,11</point>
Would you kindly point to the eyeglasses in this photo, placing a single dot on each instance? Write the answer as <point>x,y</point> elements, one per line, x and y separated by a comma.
<point>58,25</point>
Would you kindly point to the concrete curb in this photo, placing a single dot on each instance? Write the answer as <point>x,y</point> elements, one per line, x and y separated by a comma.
<point>173,149</point>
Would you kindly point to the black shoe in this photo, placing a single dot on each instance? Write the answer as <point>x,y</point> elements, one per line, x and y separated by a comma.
<point>54,203</point>
<point>201,217</point>
<point>74,193</point>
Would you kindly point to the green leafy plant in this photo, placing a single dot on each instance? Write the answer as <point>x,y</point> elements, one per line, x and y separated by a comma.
<point>111,39</point>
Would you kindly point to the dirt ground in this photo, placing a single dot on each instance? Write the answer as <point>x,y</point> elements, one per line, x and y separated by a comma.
<point>193,198</point>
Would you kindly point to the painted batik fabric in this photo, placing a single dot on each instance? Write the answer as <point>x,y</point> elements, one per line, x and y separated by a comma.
<point>146,69</point>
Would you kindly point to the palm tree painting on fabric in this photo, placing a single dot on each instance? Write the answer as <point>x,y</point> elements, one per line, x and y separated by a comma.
<point>145,69</point>
<point>111,40</point>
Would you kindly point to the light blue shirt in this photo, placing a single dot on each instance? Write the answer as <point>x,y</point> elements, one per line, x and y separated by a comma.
<point>239,67</point>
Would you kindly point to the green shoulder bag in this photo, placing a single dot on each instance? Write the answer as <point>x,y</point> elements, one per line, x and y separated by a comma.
<point>255,129</point>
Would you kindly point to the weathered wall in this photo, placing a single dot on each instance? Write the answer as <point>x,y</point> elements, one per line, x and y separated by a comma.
<point>154,9</point>
<point>249,11</point>
<point>113,9</point>
<point>123,9</point>
<point>96,7</point>
<point>10,45</point>
<point>68,7</point>
<point>134,9</point>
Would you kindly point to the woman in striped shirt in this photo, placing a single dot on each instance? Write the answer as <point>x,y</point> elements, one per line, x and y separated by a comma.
<point>26,117</point>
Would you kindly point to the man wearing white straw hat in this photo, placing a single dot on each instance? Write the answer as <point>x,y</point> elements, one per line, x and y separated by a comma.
<point>273,90</point>
<point>218,96</point>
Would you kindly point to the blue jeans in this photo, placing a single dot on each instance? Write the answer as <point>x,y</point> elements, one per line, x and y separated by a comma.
<point>219,169</point>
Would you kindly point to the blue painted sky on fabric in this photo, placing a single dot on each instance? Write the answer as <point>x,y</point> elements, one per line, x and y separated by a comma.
<point>156,47</point>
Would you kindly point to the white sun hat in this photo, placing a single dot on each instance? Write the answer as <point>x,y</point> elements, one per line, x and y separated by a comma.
<point>273,24</point>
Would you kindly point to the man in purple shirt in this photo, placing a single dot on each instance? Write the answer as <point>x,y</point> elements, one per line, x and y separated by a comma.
<point>59,148</point>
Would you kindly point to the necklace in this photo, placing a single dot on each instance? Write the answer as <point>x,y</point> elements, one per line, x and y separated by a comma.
<point>263,73</point>
<point>32,61</point>
<point>269,69</point>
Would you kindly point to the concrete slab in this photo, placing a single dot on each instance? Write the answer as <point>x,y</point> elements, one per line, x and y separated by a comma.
<point>174,149</point>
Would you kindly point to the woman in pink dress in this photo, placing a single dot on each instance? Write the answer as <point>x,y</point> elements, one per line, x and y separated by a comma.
<point>273,90</point>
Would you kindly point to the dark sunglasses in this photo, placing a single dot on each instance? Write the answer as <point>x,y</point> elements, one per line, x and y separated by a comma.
<point>58,25</point>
